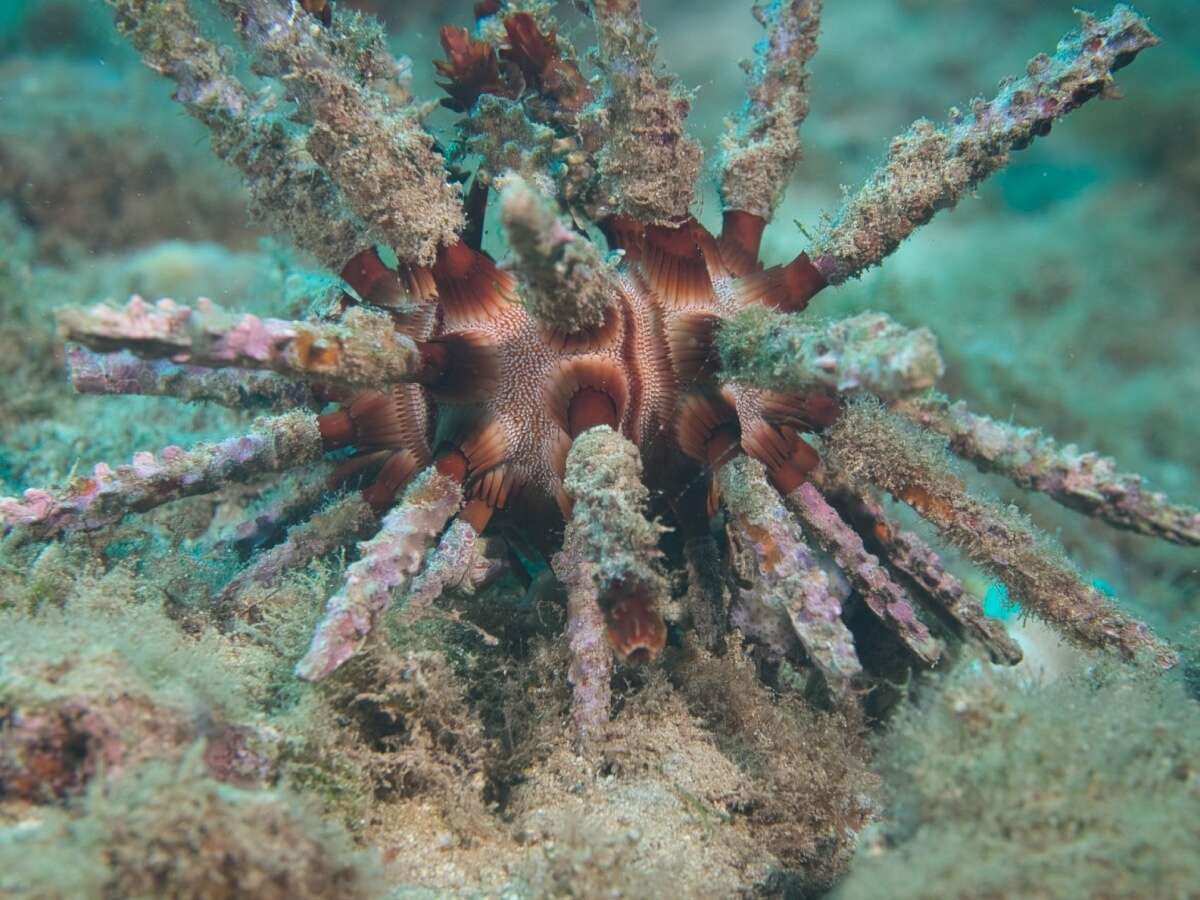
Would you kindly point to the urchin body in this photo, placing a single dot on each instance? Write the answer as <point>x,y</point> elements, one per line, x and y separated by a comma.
<point>640,370</point>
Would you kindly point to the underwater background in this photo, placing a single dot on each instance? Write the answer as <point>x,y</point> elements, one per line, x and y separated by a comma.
<point>1064,296</point>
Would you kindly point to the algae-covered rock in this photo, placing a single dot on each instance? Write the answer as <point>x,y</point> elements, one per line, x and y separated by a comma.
<point>169,832</point>
<point>1087,787</point>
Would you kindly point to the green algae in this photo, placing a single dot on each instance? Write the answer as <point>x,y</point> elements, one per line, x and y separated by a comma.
<point>1085,787</point>
<point>171,832</point>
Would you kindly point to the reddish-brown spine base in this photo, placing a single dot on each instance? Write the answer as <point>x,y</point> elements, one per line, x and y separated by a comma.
<point>636,631</point>
<point>392,478</point>
<point>337,429</point>
<point>722,446</point>
<point>804,281</point>
<point>588,409</point>
<point>371,279</point>
<point>740,240</point>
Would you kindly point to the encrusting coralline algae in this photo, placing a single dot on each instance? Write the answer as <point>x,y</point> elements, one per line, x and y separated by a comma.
<point>627,592</point>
